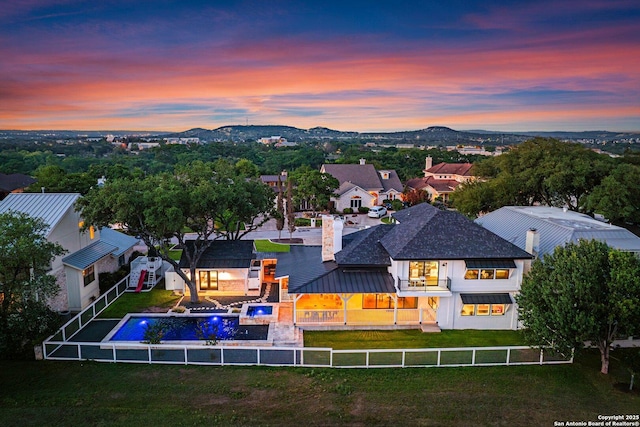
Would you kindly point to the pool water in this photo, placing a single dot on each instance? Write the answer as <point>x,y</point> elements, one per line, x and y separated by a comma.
<point>188,328</point>
<point>259,310</point>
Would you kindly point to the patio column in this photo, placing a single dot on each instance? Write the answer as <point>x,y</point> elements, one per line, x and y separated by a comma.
<point>395,308</point>
<point>295,300</point>
<point>344,299</point>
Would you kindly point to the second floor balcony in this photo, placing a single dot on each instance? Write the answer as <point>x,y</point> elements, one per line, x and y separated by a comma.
<point>423,284</point>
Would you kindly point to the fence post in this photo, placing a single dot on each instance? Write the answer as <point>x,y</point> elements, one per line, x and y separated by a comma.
<point>473,357</point>
<point>113,348</point>
<point>186,357</point>
<point>331,357</point>
<point>404,353</point>
<point>258,355</point>
<point>541,355</point>
<point>438,357</point>
<point>149,353</point>
<point>367,359</point>
<point>508,356</point>
<point>222,356</point>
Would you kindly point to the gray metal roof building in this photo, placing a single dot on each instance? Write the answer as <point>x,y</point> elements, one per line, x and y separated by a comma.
<point>556,227</point>
<point>50,207</point>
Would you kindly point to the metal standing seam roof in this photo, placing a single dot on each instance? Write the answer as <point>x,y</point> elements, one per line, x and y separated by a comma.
<point>50,207</point>
<point>121,241</point>
<point>89,255</point>
<point>486,298</point>
<point>345,281</point>
<point>556,227</point>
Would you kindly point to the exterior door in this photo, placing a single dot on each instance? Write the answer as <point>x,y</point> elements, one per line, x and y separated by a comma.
<point>208,280</point>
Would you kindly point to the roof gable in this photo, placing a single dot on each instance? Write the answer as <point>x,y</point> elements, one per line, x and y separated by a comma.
<point>50,207</point>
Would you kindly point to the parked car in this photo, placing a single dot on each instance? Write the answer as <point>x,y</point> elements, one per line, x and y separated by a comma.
<point>377,212</point>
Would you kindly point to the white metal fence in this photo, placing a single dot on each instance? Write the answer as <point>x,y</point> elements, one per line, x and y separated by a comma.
<point>81,319</point>
<point>221,355</point>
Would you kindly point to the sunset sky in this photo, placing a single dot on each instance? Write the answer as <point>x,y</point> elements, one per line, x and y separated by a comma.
<point>348,65</point>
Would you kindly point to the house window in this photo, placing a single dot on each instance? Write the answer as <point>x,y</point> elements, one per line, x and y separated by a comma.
<point>422,271</point>
<point>486,273</point>
<point>208,280</point>
<point>121,261</point>
<point>356,203</point>
<point>88,275</point>
<point>471,274</point>
<point>483,310</point>
<point>385,301</point>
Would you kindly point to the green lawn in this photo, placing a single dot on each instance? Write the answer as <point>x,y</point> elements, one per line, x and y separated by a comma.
<point>175,254</point>
<point>101,394</point>
<point>131,302</point>
<point>410,338</point>
<point>269,246</point>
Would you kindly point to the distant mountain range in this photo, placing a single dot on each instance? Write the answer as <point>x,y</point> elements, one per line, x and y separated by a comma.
<point>430,136</point>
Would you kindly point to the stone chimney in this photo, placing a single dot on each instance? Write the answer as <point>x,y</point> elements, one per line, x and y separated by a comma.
<point>363,161</point>
<point>428,162</point>
<point>331,237</point>
<point>532,244</point>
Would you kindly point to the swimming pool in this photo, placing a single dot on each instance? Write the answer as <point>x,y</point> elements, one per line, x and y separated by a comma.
<point>259,310</point>
<point>142,328</point>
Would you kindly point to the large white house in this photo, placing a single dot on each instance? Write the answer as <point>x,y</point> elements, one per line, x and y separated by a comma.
<point>362,185</point>
<point>432,268</point>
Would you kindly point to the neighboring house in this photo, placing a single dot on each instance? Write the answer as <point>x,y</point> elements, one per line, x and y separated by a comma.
<point>442,179</point>
<point>432,268</point>
<point>14,183</point>
<point>88,252</point>
<point>362,185</point>
<point>272,181</point>
<point>540,229</point>
<point>225,269</point>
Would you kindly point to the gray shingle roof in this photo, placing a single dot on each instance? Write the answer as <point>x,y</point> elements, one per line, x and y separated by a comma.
<point>425,232</point>
<point>50,207</point>
<point>14,181</point>
<point>364,176</point>
<point>88,255</point>
<point>555,227</point>
<point>393,182</point>
<point>363,248</point>
<point>223,254</point>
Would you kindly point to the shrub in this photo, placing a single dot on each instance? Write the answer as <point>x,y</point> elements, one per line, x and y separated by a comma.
<point>347,211</point>
<point>397,205</point>
<point>363,209</point>
<point>108,280</point>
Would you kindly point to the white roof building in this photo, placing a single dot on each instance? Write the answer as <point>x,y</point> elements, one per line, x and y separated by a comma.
<point>555,227</point>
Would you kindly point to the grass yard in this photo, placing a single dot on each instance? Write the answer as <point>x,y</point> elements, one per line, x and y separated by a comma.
<point>269,246</point>
<point>410,338</point>
<point>90,393</point>
<point>131,302</point>
<point>175,254</point>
